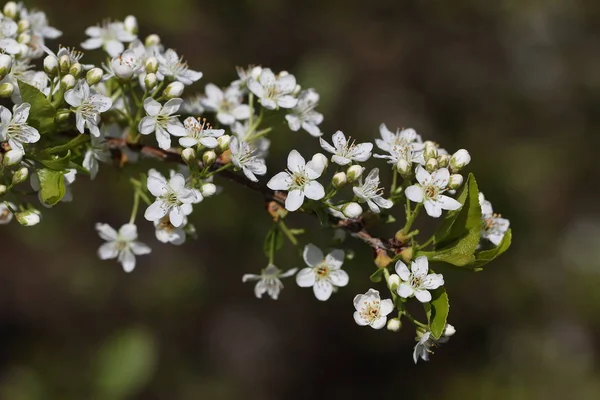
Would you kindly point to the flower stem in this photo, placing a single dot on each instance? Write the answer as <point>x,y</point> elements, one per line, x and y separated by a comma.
<point>394,181</point>
<point>288,233</point>
<point>216,171</point>
<point>413,320</point>
<point>411,218</point>
<point>136,203</point>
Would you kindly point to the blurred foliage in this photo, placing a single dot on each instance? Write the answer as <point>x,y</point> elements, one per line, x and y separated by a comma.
<point>517,83</point>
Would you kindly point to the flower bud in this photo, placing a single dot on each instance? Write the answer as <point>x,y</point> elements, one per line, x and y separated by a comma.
<point>76,69</point>
<point>460,159</point>
<point>394,325</point>
<point>23,25</point>
<point>12,157</point>
<point>297,90</point>
<point>67,82</point>
<point>28,218</point>
<point>393,281</point>
<point>24,50</point>
<point>20,176</point>
<point>208,189</point>
<point>51,65</point>
<point>431,165</point>
<point>449,330</point>
<point>11,9</point>
<point>406,254</point>
<point>151,65</point>
<point>352,210</point>
<point>430,150</point>
<point>130,24</point>
<point>3,189</point>
<point>339,180</point>
<point>64,63</point>
<point>188,155</point>
<point>150,81</point>
<point>443,160</point>
<point>6,89</point>
<point>354,172</point>
<point>223,142</point>
<point>321,160</point>
<point>5,65</point>
<point>94,76</point>
<point>174,89</point>
<point>121,67</point>
<point>456,181</point>
<point>404,167</point>
<point>209,157</point>
<point>152,40</point>
<point>24,38</point>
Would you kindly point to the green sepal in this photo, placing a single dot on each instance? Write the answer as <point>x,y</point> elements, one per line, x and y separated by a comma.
<point>377,276</point>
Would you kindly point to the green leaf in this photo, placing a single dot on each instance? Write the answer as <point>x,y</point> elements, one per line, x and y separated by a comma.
<point>58,163</point>
<point>42,113</point>
<point>437,311</point>
<point>458,236</point>
<point>52,185</point>
<point>485,256</point>
<point>323,215</point>
<point>377,276</point>
<point>273,241</point>
<point>125,364</point>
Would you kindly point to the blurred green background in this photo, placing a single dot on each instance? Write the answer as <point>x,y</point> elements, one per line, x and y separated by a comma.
<point>517,83</point>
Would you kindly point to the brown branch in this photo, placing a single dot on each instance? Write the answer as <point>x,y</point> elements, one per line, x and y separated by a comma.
<point>355,227</point>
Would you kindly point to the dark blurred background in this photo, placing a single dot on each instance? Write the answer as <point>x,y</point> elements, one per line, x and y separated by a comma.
<point>517,83</point>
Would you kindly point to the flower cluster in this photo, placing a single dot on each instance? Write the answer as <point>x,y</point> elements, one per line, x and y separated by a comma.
<point>71,118</point>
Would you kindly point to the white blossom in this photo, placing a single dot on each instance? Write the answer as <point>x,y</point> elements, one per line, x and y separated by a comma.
<point>170,65</point>
<point>304,116</point>
<point>125,66</point>
<point>344,152</point>
<point>14,128</point>
<point>227,104</point>
<point>8,35</point>
<point>405,145</point>
<point>274,91</point>
<point>245,74</point>
<point>494,227</point>
<point>110,36</point>
<point>97,152</point>
<point>38,23</point>
<point>371,193</point>
<point>299,180</point>
<point>259,145</point>
<point>371,310</point>
<point>162,120</point>
<point>172,198</point>
<point>242,157</point>
<point>6,214</point>
<point>323,272</point>
<point>429,191</point>
<point>418,281</point>
<point>122,245</point>
<point>87,106</point>
<point>427,342</point>
<point>167,233</point>
<point>269,281</point>
<point>198,131</point>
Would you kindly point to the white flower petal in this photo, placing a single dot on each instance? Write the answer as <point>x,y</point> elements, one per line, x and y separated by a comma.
<point>323,289</point>
<point>306,277</point>
<point>312,255</point>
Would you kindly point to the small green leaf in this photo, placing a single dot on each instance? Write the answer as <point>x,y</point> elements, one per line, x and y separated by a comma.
<point>125,364</point>
<point>273,241</point>
<point>323,215</point>
<point>52,185</point>
<point>42,113</point>
<point>437,311</point>
<point>485,256</point>
<point>377,276</point>
<point>58,163</point>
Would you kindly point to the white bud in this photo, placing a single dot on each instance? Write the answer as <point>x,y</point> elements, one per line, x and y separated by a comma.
<point>209,157</point>
<point>24,38</point>
<point>51,65</point>
<point>320,159</point>
<point>431,165</point>
<point>255,72</point>
<point>404,167</point>
<point>208,189</point>
<point>122,68</point>
<point>443,160</point>
<point>188,155</point>
<point>5,65</point>
<point>339,180</point>
<point>152,40</point>
<point>352,210</point>
<point>3,189</point>
<point>174,89</point>
<point>64,63</point>
<point>130,24</point>
<point>94,76</point>
<point>151,65</point>
<point>150,81</point>
<point>394,325</point>
<point>354,172</point>
<point>460,159</point>
<point>28,218</point>
<point>23,25</point>
<point>6,89</point>
<point>430,150</point>
<point>24,50</point>
<point>76,69</point>
<point>456,181</point>
<point>20,176</point>
<point>223,142</point>
<point>68,82</point>
<point>296,90</point>
<point>11,9</point>
<point>449,330</point>
<point>393,281</point>
<point>12,157</point>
